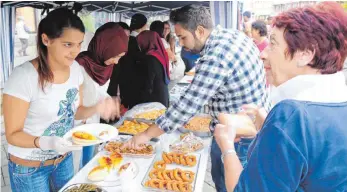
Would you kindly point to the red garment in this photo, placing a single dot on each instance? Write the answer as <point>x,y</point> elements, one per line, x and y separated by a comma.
<point>106,43</point>
<point>150,43</point>
<point>261,46</point>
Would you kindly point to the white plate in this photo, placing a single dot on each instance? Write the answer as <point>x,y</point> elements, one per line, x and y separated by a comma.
<point>94,129</point>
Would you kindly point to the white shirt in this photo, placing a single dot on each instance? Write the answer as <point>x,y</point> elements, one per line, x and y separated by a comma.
<point>330,88</point>
<point>165,43</point>
<point>92,94</point>
<point>21,33</point>
<point>51,113</point>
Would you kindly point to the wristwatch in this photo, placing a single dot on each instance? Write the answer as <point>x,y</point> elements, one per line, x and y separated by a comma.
<point>227,152</point>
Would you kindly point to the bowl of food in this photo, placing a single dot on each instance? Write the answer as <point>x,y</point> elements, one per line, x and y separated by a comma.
<point>199,125</point>
<point>84,187</point>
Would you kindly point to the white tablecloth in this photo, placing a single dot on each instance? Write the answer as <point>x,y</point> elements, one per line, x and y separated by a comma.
<point>144,163</point>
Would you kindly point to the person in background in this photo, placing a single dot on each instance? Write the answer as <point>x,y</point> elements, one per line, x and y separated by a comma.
<point>189,59</point>
<point>108,45</point>
<point>268,25</point>
<point>41,99</point>
<point>23,35</point>
<point>301,144</point>
<point>259,34</point>
<point>125,27</point>
<point>228,75</point>
<point>247,23</point>
<point>138,24</point>
<point>155,68</point>
<point>158,27</point>
<point>170,38</point>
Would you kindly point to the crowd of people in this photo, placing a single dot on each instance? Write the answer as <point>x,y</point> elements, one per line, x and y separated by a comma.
<point>301,144</point>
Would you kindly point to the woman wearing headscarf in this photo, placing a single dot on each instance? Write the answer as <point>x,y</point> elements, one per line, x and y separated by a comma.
<point>155,69</point>
<point>127,64</point>
<point>108,45</point>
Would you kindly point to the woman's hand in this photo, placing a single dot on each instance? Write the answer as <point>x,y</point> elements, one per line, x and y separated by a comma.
<point>109,108</point>
<point>258,113</point>
<point>225,136</point>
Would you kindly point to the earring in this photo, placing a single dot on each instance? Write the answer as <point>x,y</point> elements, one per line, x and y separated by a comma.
<point>300,64</point>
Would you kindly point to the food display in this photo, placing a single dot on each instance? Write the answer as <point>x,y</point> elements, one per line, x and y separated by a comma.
<point>199,124</point>
<point>116,146</point>
<point>178,158</point>
<point>151,115</point>
<point>133,127</point>
<point>84,188</point>
<point>176,179</point>
<point>188,143</point>
<point>81,137</point>
<point>106,163</point>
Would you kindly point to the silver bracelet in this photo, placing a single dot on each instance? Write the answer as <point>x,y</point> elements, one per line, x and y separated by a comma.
<point>228,152</point>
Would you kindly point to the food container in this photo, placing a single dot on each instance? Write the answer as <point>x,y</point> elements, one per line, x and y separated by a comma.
<point>197,133</point>
<point>158,157</point>
<point>122,140</point>
<point>142,108</point>
<point>83,187</point>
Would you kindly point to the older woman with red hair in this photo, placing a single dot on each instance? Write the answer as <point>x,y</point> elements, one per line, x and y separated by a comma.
<point>302,143</point>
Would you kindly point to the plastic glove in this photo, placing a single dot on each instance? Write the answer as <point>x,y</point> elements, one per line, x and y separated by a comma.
<point>57,144</point>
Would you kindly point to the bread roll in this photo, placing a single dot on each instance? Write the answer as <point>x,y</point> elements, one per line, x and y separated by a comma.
<point>242,123</point>
<point>99,173</point>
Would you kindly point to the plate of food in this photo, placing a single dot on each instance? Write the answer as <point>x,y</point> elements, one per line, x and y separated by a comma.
<point>172,172</point>
<point>91,134</point>
<point>146,150</point>
<point>150,115</point>
<point>131,126</point>
<point>188,143</point>
<point>84,187</point>
<point>198,125</point>
<point>109,168</point>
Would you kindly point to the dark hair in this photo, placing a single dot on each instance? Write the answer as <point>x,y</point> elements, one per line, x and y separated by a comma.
<point>157,26</point>
<point>247,14</point>
<point>269,18</point>
<point>191,16</point>
<point>168,37</point>
<point>260,26</point>
<point>124,25</point>
<point>53,26</point>
<point>321,28</point>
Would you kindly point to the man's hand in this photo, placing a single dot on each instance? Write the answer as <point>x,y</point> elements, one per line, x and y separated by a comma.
<point>137,140</point>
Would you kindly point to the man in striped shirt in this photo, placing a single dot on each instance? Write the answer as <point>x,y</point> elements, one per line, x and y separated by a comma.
<point>228,75</point>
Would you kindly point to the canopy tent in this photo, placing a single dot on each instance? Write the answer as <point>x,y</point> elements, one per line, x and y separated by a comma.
<point>125,7</point>
<point>224,13</point>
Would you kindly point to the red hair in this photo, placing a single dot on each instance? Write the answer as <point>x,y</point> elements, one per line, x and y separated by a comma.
<point>321,28</point>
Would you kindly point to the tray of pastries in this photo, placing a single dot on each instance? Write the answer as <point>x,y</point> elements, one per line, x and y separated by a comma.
<point>146,150</point>
<point>172,172</point>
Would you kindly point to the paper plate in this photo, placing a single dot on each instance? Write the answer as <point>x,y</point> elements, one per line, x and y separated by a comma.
<point>94,129</point>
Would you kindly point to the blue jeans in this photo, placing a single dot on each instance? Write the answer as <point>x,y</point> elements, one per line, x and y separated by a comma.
<point>217,168</point>
<point>43,178</point>
<point>87,155</point>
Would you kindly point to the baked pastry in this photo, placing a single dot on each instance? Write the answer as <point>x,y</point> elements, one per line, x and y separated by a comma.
<point>98,173</point>
<point>116,146</point>
<point>133,127</point>
<point>199,124</point>
<point>151,115</point>
<point>81,137</point>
